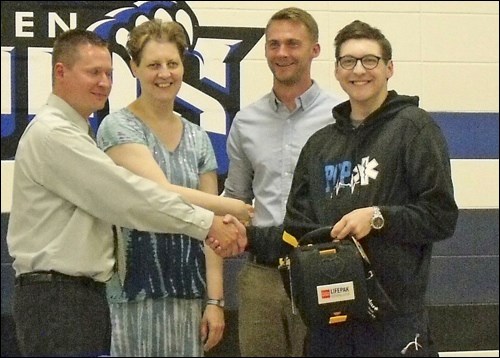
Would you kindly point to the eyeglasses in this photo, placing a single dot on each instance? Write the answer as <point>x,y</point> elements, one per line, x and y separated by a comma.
<point>369,62</point>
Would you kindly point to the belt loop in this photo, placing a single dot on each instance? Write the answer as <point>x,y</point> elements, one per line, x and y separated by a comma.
<point>252,258</point>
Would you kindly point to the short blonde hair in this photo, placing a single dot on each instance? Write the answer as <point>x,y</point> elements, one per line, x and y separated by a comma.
<point>159,30</point>
<point>297,15</point>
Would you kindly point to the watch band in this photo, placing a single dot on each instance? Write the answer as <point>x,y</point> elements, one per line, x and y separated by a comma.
<point>215,302</point>
<point>377,221</point>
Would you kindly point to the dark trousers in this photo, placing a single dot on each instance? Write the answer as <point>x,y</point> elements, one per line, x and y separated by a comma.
<point>62,318</point>
<point>402,336</point>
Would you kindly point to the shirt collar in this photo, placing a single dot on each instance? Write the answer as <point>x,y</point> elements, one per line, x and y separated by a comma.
<point>70,114</point>
<point>305,100</point>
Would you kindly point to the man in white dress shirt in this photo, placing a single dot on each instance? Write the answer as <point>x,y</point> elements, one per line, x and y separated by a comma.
<point>67,194</point>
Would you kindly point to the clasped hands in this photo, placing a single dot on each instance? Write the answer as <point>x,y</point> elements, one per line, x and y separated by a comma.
<point>227,236</point>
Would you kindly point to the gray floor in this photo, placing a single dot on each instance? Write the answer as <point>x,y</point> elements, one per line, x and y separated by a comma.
<point>469,354</point>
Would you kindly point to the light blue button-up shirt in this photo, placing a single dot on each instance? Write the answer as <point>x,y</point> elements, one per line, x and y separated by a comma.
<point>263,146</point>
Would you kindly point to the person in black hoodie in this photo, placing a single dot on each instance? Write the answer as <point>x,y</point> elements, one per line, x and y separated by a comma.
<point>380,173</point>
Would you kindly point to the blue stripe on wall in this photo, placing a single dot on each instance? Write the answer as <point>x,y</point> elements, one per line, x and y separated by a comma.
<point>463,280</point>
<point>470,135</point>
<point>476,234</point>
<point>464,268</point>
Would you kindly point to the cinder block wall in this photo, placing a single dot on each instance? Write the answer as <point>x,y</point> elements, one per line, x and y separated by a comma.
<point>444,52</point>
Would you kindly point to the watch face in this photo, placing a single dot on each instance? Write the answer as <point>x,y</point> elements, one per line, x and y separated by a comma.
<point>377,222</point>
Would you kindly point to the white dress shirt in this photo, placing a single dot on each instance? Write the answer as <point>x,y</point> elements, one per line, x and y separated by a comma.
<point>67,193</point>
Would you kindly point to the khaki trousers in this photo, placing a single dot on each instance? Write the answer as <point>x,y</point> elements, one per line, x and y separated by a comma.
<point>267,326</point>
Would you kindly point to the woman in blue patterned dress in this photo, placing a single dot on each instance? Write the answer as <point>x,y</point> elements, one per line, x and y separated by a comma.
<point>158,309</point>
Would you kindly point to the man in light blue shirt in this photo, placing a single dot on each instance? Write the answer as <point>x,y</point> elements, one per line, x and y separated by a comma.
<point>264,143</point>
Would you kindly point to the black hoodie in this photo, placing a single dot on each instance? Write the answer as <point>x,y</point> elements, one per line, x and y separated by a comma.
<point>396,159</point>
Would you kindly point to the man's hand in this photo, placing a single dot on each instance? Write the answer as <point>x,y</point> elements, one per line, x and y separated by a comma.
<point>356,223</point>
<point>227,236</point>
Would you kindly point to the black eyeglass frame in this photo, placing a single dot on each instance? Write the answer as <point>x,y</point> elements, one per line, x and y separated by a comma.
<point>339,61</point>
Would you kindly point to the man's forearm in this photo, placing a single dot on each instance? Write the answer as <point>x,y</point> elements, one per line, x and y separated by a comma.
<point>266,243</point>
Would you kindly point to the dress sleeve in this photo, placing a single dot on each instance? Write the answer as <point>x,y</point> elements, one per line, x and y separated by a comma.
<point>120,127</point>
<point>207,161</point>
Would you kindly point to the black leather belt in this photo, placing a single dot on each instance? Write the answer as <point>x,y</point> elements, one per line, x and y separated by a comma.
<point>256,260</point>
<point>54,276</point>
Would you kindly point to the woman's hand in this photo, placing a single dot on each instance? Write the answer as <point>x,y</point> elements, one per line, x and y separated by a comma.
<point>242,211</point>
<point>212,326</point>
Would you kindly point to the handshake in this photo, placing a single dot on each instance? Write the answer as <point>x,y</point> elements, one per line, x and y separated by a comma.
<point>227,236</point>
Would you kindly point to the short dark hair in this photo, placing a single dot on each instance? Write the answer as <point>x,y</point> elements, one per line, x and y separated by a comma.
<point>297,15</point>
<point>66,44</point>
<point>361,30</point>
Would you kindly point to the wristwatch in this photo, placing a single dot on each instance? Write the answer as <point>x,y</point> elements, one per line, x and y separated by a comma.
<point>216,302</point>
<point>377,221</point>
